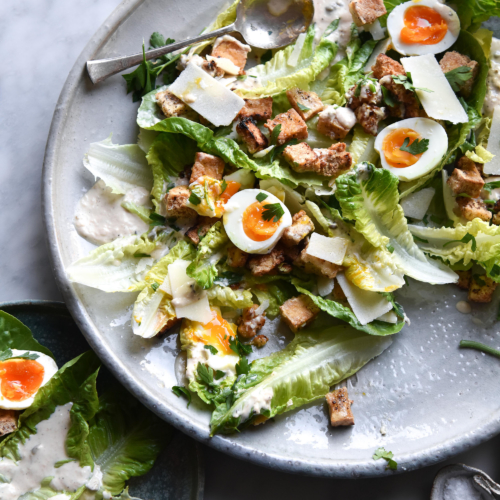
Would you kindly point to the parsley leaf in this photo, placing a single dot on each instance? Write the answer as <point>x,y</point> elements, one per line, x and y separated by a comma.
<point>489,186</point>
<point>219,374</point>
<point>142,80</point>
<point>389,99</point>
<point>261,197</point>
<point>182,391</point>
<point>390,248</point>
<point>275,133</point>
<point>157,219</point>
<point>365,80</point>
<point>223,186</point>
<point>416,147</point>
<point>155,286</point>
<point>194,199</point>
<point>387,456</point>
<point>212,349</point>
<point>276,151</point>
<point>456,77</point>
<point>480,347</point>
<point>273,211</point>
<point>7,354</point>
<point>205,374</point>
<point>238,348</point>
<point>302,107</point>
<point>468,237</point>
<point>243,367</point>
<point>406,82</point>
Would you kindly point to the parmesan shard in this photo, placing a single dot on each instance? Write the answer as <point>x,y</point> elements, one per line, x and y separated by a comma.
<point>225,64</point>
<point>441,103</point>
<point>207,96</point>
<point>330,249</point>
<point>366,305</point>
<point>415,205</point>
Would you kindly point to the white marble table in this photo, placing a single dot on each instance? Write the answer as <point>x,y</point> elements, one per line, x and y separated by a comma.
<point>39,41</point>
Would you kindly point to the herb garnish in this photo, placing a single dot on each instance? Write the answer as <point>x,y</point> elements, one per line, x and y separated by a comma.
<point>261,197</point>
<point>155,286</point>
<point>468,237</point>
<point>456,77</point>
<point>389,99</point>
<point>406,82</point>
<point>157,219</point>
<point>182,391</point>
<point>387,456</point>
<point>390,248</point>
<point>416,238</point>
<point>302,107</point>
<point>480,347</point>
<point>275,133</point>
<point>223,186</point>
<point>212,349</point>
<point>489,186</point>
<point>7,354</point>
<point>242,367</point>
<point>365,80</point>
<point>273,211</point>
<point>416,147</point>
<point>239,348</point>
<point>194,199</point>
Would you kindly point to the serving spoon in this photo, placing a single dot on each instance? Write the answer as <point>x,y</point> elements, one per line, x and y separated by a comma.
<point>265,24</point>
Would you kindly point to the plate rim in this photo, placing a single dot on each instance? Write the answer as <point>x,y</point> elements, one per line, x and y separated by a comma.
<point>311,467</point>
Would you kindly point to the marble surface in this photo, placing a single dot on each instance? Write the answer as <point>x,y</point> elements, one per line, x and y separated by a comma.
<point>39,42</point>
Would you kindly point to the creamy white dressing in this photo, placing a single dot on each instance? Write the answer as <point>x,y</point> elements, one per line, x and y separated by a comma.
<point>492,98</point>
<point>100,217</point>
<point>38,455</point>
<point>257,401</point>
<point>198,354</point>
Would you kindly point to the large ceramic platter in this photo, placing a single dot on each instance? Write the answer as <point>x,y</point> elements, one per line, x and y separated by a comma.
<point>423,398</point>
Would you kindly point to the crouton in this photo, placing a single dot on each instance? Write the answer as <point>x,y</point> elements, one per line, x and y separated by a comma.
<point>472,208</point>
<point>301,158</point>
<point>209,165</point>
<point>172,106</point>
<point>466,179</point>
<point>369,116</point>
<point>464,279</point>
<point>338,294</point>
<point>254,139</point>
<point>366,11</point>
<point>315,265</point>
<point>259,341</point>
<point>339,407</point>
<point>496,219</point>
<point>177,200</point>
<point>453,60</point>
<point>236,257</point>
<point>292,126</point>
<point>336,122</point>
<point>8,421</point>
<point>334,161</point>
<point>251,322</point>
<point>481,289</point>
<point>298,312</point>
<point>266,264</point>
<point>403,95</point>
<point>302,226</point>
<point>307,104</point>
<point>386,66</point>
<point>196,233</point>
<point>232,49</point>
<point>368,93</point>
<point>257,109</point>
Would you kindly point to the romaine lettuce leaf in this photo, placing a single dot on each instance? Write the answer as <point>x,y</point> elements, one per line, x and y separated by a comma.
<point>369,196</point>
<point>120,167</point>
<point>223,296</point>
<point>276,293</point>
<point>301,373</point>
<point>473,12</point>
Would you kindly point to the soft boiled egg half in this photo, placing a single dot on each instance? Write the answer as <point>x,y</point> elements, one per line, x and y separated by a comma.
<point>423,27</point>
<point>21,379</point>
<point>255,220</point>
<point>406,165</point>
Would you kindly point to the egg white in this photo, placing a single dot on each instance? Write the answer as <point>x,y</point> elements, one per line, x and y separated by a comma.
<point>233,217</point>
<point>395,23</point>
<point>428,129</point>
<point>50,369</point>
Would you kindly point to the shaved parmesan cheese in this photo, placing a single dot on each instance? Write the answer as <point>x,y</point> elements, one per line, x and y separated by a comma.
<point>389,317</point>
<point>376,30</point>
<point>261,154</point>
<point>416,204</point>
<point>293,59</point>
<point>329,249</point>
<point>189,302</point>
<point>441,103</point>
<point>493,167</point>
<point>225,65</point>
<point>208,97</point>
<point>325,285</point>
<point>366,305</point>
<point>166,287</point>
<point>381,48</point>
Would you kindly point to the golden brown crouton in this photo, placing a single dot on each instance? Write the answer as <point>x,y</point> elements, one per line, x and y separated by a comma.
<point>8,421</point>
<point>472,208</point>
<point>466,179</point>
<point>339,407</point>
<point>205,164</point>
<point>315,265</point>
<point>481,289</point>
<point>258,109</point>
<point>386,66</point>
<point>368,93</point>
<point>453,60</point>
<point>298,312</point>
<point>292,126</point>
<point>177,200</point>
<point>231,49</point>
<point>236,257</point>
<point>307,104</point>
<point>173,106</point>
<point>254,139</point>
<point>369,116</point>
<point>464,279</point>
<point>301,157</point>
<point>266,264</point>
<point>259,341</point>
<point>336,122</point>
<point>366,11</point>
<point>302,225</point>
<point>334,161</point>
<point>251,322</point>
<point>196,233</point>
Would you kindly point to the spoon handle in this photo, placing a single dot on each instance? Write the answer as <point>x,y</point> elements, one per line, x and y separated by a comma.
<point>100,69</point>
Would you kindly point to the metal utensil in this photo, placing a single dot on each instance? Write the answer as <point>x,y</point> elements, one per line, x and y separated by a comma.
<point>266,24</point>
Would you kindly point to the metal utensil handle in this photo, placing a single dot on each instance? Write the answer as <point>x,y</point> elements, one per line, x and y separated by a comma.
<point>100,69</point>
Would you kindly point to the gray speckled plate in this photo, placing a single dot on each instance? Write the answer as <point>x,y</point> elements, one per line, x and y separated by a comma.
<point>178,474</point>
<point>431,399</point>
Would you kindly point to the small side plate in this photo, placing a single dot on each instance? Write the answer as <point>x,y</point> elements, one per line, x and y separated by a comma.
<point>178,473</point>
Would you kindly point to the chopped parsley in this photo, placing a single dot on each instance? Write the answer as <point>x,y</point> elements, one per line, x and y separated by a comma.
<point>390,248</point>
<point>417,147</point>
<point>182,392</point>
<point>406,82</point>
<point>331,27</point>
<point>242,367</point>
<point>223,186</point>
<point>416,238</point>
<point>389,99</point>
<point>261,197</point>
<point>456,77</point>
<point>365,80</point>
<point>387,456</point>
<point>273,211</point>
<point>275,133</point>
<point>7,354</point>
<point>194,199</point>
<point>239,348</point>
<point>468,237</point>
<point>139,255</point>
<point>155,286</point>
<point>157,219</point>
<point>219,374</point>
<point>212,349</point>
<point>470,344</point>
<point>489,186</point>
<point>302,107</point>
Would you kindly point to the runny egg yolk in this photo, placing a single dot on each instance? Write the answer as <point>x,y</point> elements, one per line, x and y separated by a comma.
<point>217,333</point>
<point>20,378</point>
<point>255,227</point>
<point>232,188</point>
<point>392,144</point>
<point>423,25</point>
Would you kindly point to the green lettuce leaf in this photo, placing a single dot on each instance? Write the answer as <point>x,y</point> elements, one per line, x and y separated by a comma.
<point>473,12</point>
<point>120,167</point>
<point>362,147</point>
<point>369,196</point>
<point>301,373</point>
<point>276,293</point>
<point>142,212</point>
<point>223,296</point>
